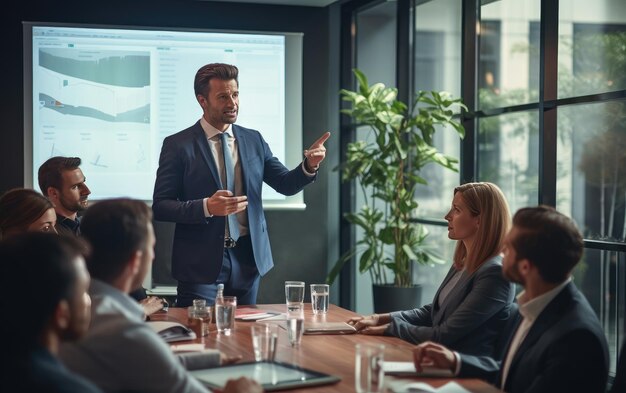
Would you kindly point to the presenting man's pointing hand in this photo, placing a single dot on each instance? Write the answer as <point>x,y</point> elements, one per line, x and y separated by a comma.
<point>316,153</point>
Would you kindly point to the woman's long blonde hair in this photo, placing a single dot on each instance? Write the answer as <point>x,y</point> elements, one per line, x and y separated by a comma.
<point>487,201</point>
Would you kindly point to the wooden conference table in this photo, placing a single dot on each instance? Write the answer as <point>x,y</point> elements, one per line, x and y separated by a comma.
<point>331,354</point>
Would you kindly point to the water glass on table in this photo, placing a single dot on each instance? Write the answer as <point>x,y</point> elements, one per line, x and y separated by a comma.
<point>295,326</point>
<point>319,298</point>
<point>225,314</point>
<point>368,368</point>
<point>294,295</point>
<point>264,341</point>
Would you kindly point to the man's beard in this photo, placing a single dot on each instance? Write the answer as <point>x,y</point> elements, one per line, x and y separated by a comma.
<point>512,274</point>
<point>74,207</point>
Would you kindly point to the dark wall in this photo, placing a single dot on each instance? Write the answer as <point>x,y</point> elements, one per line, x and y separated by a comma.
<point>299,238</point>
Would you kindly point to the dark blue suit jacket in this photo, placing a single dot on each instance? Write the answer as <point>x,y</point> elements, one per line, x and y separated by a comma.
<point>565,351</point>
<point>470,319</point>
<point>187,174</point>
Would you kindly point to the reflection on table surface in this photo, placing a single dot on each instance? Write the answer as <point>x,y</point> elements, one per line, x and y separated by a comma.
<point>330,354</point>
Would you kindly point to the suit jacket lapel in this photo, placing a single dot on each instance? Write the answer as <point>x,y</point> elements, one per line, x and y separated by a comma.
<point>549,316</point>
<point>205,152</point>
<point>459,288</point>
<point>436,310</point>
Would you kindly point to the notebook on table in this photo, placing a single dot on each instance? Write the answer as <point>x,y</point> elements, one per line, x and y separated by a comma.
<point>328,328</point>
<point>408,369</point>
<point>172,331</point>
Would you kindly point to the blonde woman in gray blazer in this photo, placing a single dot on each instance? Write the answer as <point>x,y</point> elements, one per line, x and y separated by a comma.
<point>473,303</point>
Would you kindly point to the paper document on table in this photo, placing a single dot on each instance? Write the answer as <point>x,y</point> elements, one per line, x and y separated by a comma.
<point>408,368</point>
<point>421,387</point>
<point>253,314</point>
<point>278,317</point>
<point>187,347</point>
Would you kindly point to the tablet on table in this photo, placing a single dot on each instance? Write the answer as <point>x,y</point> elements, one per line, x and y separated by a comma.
<point>271,375</point>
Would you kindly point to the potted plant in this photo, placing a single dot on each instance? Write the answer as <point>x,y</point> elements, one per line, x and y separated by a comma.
<point>387,170</point>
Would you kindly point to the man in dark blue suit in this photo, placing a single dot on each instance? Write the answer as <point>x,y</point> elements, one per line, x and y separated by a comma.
<point>209,183</point>
<point>557,345</point>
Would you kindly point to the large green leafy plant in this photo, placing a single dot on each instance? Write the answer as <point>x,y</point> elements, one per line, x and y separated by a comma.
<point>387,171</point>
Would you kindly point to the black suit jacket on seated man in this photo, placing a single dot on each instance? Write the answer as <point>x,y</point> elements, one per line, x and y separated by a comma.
<point>564,351</point>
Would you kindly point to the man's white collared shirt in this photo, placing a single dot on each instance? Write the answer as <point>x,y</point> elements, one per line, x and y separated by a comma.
<point>530,310</point>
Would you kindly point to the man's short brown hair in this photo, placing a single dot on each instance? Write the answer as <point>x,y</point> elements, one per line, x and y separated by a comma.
<point>115,230</point>
<point>220,71</point>
<point>49,174</point>
<point>549,240</point>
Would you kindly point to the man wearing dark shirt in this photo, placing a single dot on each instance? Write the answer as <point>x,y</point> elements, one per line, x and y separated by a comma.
<point>62,181</point>
<point>55,307</point>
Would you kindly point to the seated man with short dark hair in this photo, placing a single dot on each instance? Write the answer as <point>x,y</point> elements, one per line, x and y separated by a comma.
<point>558,345</point>
<point>63,182</point>
<point>48,277</point>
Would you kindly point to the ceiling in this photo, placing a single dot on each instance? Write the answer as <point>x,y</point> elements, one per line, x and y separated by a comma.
<point>309,3</point>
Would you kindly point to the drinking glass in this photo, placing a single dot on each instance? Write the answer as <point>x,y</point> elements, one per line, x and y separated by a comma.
<point>264,341</point>
<point>199,319</point>
<point>294,295</point>
<point>225,314</point>
<point>319,298</point>
<point>295,326</point>
<point>368,368</point>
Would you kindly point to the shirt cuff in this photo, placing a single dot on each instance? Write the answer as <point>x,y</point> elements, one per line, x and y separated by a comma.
<point>206,209</point>
<point>457,370</point>
<point>309,174</point>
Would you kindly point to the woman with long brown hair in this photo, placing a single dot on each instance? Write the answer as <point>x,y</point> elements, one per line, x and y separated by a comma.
<point>25,210</point>
<point>473,302</point>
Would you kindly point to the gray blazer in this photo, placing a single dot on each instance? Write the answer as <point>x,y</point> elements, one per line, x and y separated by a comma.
<point>471,317</point>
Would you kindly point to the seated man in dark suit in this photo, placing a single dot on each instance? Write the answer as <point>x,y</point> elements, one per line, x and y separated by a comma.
<point>48,277</point>
<point>558,344</point>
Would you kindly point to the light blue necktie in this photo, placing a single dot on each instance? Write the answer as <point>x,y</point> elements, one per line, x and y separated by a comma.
<point>229,171</point>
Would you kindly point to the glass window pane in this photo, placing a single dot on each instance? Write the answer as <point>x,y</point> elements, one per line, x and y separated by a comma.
<point>601,276</point>
<point>438,67</point>
<point>432,275</point>
<point>592,47</point>
<point>508,64</point>
<point>438,46</point>
<point>376,57</point>
<point>376,43</point>
<point>434,199</point>
<point>591,185</point>
<point>508,155</point>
